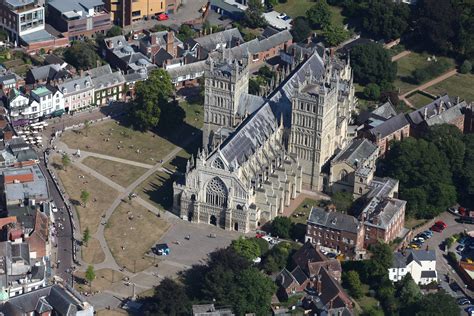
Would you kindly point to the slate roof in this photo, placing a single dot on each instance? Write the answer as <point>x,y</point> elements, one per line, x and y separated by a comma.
<point>269,31</point>
<point>333,220</point>
<point>108,80</point>
<point>250,135</point>
<point>45,72</point>
<point>62,302</point>
<point>299,275</point>
<point>285,278</point>
<point>436,115</point>
<point>381,211</point>
<point>99,71</point>
<point>8,79</point>
<point>401,260</point>
<point>331,290</point>
<point>385,110</point>
<point>390,126</point>
<point>161,57</point>
<point>51,59</point>
<point>356,153</point>
<point>70,86</point>
<point>184,70</point>
<point>249,103</point>
<point>260,45</point>
<point>211,41</point>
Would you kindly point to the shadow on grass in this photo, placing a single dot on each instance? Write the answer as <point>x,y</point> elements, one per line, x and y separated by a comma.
<point>160,191</point>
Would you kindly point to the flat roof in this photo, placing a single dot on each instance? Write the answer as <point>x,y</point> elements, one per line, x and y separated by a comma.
<point>38,36</point>
<point>19,191</point>
<point>273,19</point>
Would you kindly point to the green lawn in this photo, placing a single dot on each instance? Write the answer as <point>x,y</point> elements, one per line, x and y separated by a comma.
<point>295,8</point>
<point>402,108</point>
<point>120,173</point>
<point>408,64</point>
<point>458,85</point>
<point>194,113</point>
<point>300,215</point>
<point>419,100</point>
<point>367,301</point>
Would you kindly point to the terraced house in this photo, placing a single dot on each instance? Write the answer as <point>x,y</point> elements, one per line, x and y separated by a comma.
<point>107,85</point>
<point>78,93</point>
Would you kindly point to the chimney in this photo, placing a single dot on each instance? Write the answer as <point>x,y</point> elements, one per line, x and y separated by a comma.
<point>441,107</point>
<point>81,73</point>
<point>170,43</point>
<point>425,113</point>
<point>153,39</point>
<point>457,100</point>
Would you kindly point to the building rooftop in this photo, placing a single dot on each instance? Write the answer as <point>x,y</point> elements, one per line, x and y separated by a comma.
<point>333,219</point>
<point>37,36</point>
<point>36,189</point>
<point>76,85</point>
<point>108,80</point>
<point>356,153</point>
<point>74,7</point>
<point>390,126</point>
<point>442,110</point>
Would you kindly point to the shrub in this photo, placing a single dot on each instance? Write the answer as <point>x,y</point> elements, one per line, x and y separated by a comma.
<point>434,69</point>
<point>372,91</point>
<point>466,67</point>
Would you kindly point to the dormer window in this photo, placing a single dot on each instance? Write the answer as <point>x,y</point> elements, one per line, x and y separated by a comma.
<point>64,90</point>
<point>76,86</point>
<point>88,84</point>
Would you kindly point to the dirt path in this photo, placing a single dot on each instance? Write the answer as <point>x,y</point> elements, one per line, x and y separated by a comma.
<point>401,55</point>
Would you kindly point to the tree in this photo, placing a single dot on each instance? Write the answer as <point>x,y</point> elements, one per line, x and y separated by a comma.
<point>385,18</point>
<point>382,255</point>
<point>319,15</point>
<point>438,24</point>
<point>150,97</point>
<point>301,29</point>
<point>372,91</point>
<point>408,291</point>
<point>86,236</point>
<point>424,175</point>
<point>281,227</point>
<point>81,55</point>
<point>247,248</point>
<point>90,275</point>
<point>439,303</point>
<point>114,31</point>
<point>465,184</point>
<point>466,67</point>
<point>253,293</point>
<point>352,283</point>
<point>85,197</point>
<point>262,244</point>
<point>66,161</point>
<point>170,298</point>
<point>335,35</point>
<point>278,257</point>
<point>185,32</point>
<point>253,17</point>
<point>343,201</point>
<point>254,86</point>
<point>372,64</point>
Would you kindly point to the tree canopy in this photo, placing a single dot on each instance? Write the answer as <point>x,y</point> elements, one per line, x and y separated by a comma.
<point>424,174</point>
<point>151,97</point>
<point>351,281</point>
<point>386,18</point>
<point>301,29</point>
<point>335,35</point>
<point>319,15</point>
<point>82,55</point>
<point>247,248</point>
<point>254,14</point>
<point>281,227</point>
<point>371,63</point>
<point>170,298</point>
<point>114,31</point>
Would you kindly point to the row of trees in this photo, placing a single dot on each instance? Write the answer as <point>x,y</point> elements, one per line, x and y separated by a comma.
<point>401,298</point>
<point>434,171</point>
<point>228,279</point>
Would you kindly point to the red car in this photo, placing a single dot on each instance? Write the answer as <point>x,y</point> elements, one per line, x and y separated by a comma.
<point>162,17</point>
<point>441,224</point>
<point>437,228</point>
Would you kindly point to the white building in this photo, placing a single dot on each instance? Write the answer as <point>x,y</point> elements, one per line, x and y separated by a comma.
<point>77,93</point>
<point>421,264</point>
<point>49,99</point>
<point>18,105</point>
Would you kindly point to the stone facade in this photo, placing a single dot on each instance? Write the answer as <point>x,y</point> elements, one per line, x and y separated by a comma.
<point>259,152</point>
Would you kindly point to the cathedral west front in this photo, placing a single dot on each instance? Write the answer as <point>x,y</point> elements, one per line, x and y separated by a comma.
<point>260,152</point>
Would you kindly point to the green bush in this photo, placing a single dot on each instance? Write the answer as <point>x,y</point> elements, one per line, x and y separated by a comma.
<point>466,67</point>
<point>372,91</point>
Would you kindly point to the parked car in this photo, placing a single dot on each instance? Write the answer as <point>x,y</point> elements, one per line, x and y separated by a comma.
<point>428,232</point>
<point>463,240</point>
<point>463,301</point>
<point>470,310</point>
<point>437,228</point>
<point>162,17</point>
<point>441,224</point>
<point>460,248</point>
<point>282,16</point>
<point>465,220</point>
<point>419,239</point>
<point>414,246</point>
<point>453,210</point>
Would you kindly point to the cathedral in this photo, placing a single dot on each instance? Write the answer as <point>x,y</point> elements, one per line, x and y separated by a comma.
<point>260,152</point>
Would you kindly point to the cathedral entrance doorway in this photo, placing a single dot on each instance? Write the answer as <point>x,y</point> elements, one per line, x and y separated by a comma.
<point>190,216</point>
<point>213,220</point>
<point>236,226</point>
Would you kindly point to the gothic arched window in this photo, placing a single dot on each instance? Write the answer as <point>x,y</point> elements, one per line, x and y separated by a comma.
<point>218,164</point>
<point>216,192</point>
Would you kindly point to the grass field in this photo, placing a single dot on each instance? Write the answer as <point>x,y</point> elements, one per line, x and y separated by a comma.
<point>151,147</point>
<point>93,253</point>
<point>194,114</point>
<point>366,301</point>
<point>103,280</point>
<point>408,64</point>
<point>411,222</point>
<point>158,190</point>
<point>113,312</point>
<point>120,173</point>
<point>295,8</point>
<point>300,215</point>
<point>101,195</point>
<point>458,85</point>
<point>419,100</point>
<point>131,231</point>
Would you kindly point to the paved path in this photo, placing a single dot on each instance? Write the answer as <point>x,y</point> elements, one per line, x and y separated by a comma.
<point>425,86</point>
<point>85,154</point>
<point>401,55</point>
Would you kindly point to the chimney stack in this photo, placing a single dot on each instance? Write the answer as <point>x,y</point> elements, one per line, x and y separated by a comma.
<point>319,285</point>
<point>170,43</point>
<point>425,113</point>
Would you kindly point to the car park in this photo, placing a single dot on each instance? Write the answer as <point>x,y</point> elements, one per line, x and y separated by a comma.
<point>437,228</point>
<point>463,301</point>
<point>460,248</point>
<point>162,17</point>
<point>465,220</point>
<point>470,310</point>
<point>414,246</point>
<point>441,224</point>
